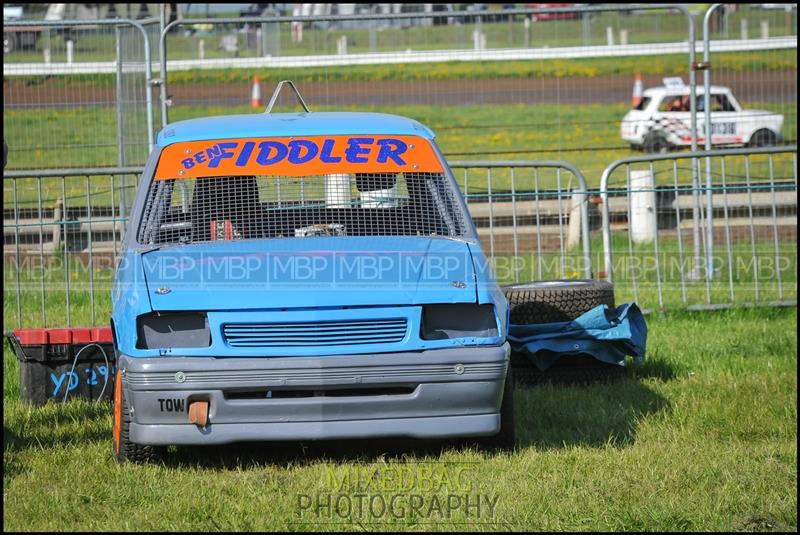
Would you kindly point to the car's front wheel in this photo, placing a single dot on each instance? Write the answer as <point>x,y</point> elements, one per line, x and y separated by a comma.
<point>506,438</point>
<point>124,449</point>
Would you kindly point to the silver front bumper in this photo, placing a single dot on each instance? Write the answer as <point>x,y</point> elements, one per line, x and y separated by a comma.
<point>437,393</point>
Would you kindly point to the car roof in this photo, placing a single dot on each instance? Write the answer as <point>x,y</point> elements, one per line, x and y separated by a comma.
<point>654,92</point>
<point>291,124</point>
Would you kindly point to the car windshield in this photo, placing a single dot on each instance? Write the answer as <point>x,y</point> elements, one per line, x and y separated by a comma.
<point>212,206</point>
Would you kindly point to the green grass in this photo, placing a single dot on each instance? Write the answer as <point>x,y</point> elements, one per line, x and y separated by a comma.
<point>703,437</point>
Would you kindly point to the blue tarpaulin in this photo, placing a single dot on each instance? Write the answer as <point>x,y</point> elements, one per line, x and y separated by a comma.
<point>604,333</point>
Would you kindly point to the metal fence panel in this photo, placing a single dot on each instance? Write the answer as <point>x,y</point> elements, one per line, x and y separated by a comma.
<point>491,84</point>
<point>62,231</point>
<point>533,217</point>
<point>554,87</point>
<point>657,230</point>
<point>61,235</point>
<point>78,93</point>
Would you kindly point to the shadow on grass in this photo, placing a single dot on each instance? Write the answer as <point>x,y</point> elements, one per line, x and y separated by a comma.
<point>655,368</point>
<point>56,425</point>
<point>11,465</point>
<point>547,417</point>
<point>235,456</point>
<point>600,415</point>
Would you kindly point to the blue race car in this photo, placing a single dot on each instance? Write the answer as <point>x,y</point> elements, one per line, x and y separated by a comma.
<point>303,276</point>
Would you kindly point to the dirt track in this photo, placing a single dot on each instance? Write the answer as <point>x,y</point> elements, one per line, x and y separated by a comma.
<point>757,86</point>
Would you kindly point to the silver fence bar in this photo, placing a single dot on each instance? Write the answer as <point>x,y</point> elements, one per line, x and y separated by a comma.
<point>581,191</point>
<point>120,112</point>
<point>776,191</point>
<point>49,173</point>
<point>707,135</point>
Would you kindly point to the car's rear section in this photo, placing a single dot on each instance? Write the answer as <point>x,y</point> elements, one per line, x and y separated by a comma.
<point>327,303</point>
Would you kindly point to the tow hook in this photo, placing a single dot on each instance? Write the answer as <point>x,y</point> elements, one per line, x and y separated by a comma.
<point>198,413</point>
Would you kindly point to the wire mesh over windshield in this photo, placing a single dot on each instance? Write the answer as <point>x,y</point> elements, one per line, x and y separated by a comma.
<point>248,207</point>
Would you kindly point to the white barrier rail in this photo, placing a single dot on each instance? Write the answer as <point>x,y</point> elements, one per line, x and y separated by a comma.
<point>424,56</point>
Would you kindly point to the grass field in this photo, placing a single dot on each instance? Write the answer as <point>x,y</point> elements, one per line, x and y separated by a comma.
<point>703,436</point>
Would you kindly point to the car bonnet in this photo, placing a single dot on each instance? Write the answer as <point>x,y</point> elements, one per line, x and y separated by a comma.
<point>310,272</point>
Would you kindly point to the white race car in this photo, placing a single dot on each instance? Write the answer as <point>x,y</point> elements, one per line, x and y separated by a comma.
<point>661,120</point>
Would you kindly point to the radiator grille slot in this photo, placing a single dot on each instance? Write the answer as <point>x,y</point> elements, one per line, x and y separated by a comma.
<point>316,334</point>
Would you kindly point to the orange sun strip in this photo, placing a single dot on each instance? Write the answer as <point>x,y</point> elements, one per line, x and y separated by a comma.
<point>298,156</point>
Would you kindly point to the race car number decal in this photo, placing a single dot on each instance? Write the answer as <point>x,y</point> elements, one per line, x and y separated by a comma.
<point>297,156</point>
<point>722,128</point>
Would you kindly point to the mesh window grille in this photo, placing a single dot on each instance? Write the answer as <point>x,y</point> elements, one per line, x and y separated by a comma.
<point>250,207</point>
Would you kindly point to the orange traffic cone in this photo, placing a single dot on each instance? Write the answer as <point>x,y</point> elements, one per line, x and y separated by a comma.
<point>637,90</point>
<point>255,94</point>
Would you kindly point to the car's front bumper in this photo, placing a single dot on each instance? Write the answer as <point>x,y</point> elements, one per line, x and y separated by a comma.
<point>427,394</point>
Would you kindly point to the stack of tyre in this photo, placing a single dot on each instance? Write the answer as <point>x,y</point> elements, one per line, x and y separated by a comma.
<point>554,302</point>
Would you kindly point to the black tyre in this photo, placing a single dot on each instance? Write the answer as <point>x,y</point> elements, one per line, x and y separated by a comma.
<point>573,370</point>
<point>656,144</point>
<point>763,138</point>
<point>506,438</point>
<point>556,301</point>
<point>123,448</point>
